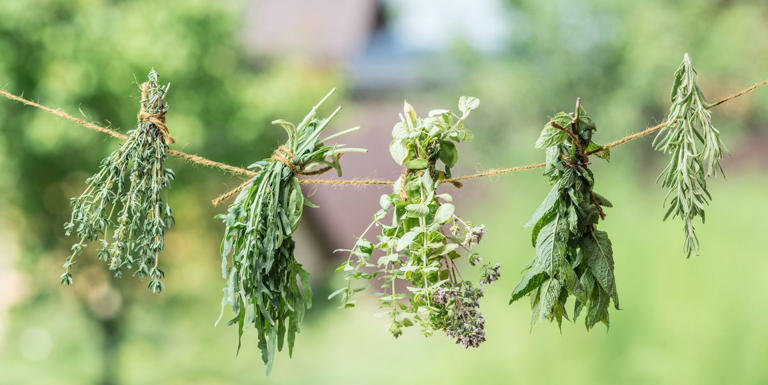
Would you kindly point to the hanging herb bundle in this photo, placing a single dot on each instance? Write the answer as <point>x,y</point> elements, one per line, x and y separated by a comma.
<point>573,257</point>
<point>122,208</point>
<point>265,285</point>
<point>425,239</point>
<point>696,150</point>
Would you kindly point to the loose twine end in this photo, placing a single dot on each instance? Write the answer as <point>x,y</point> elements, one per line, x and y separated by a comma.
<point>157,118</point>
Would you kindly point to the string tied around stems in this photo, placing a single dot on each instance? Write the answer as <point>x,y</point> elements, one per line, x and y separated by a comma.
<point>283,155</point>
<point>407,171</point>
<point>156,118</point>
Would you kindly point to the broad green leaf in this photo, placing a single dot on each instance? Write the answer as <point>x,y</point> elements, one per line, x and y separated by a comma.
<point>599,256</point>
<point>550,136</point>
<point>548,204</point>
<point>550,291</point>
<point>364,246</point>
<point>400,131</point>
<point>448,154</point>
<point>551,246</point>
<point>406,239</point>
<point>417,210</point>
<point>417,164</point>
<point>444,213</point>
<point>532,279</point>
<point>398,150</point>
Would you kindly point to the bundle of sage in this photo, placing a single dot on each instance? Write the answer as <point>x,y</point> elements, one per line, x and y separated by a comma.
<point>265,286</point>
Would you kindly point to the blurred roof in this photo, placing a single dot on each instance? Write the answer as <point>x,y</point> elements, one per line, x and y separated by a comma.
<point>333,31</point>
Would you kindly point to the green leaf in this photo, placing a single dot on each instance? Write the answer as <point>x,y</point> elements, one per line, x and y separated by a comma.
<point>385,201</point>
<point>444,213</point>
<point>550,136</point>
<point>468,103</point>
<point>551,245</point>
<point>549,203</point>
<point>364,246</point>
<point>550,291</point>
<point>448,153</point>
<point>532,279</point>
<point>417,210</point>
<point>604,153</point>
<point>438,112</point>
<point>599,256</point>
<point>336,292</point>
<point>398,150</point>
<point>410,114</point>
<point>406,239</point>
<point>400,131</point>
<point>602,200</point>
<point>417,164</point>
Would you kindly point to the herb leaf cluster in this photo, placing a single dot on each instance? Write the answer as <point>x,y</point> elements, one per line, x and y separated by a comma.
<point>265,286</point>
<point>422,244</point>
<point>572,257</point>
<point>122,206</point>
<point>696,150</point>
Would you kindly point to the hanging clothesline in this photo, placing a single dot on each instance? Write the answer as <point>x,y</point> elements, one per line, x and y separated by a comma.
<point>360,182</point>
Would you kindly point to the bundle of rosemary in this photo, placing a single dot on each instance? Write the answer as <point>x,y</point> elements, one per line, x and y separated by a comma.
<point>573,257</point>
<point>125,197</point>
<point>265,285</point>
<point>421,245</point>
<point>696,150</point>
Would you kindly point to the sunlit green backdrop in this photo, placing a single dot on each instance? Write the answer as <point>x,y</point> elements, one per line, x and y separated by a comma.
<point>698,321</point>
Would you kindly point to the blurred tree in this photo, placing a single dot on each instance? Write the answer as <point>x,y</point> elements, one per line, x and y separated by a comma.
<point>620,58</point>
<point>90,55</point>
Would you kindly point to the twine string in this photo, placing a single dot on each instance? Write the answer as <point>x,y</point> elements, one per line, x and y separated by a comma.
<point>232,192</point>
<point>359,182</point>
<point>157,118</point>
<point>283,155</point>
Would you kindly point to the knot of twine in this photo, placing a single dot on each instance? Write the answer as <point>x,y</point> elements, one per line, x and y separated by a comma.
<point>157,118</point>
<point>284,155</point>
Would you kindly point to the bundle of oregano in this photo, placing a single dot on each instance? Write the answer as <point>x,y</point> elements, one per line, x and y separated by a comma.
<point>573,257</point>
<point>421,246</point>
<point>125,197</point>
<point>696,150</point>
<point>265,285</point>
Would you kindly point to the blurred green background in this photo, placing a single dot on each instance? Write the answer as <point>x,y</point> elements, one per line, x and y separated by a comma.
<point>236,65</point>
